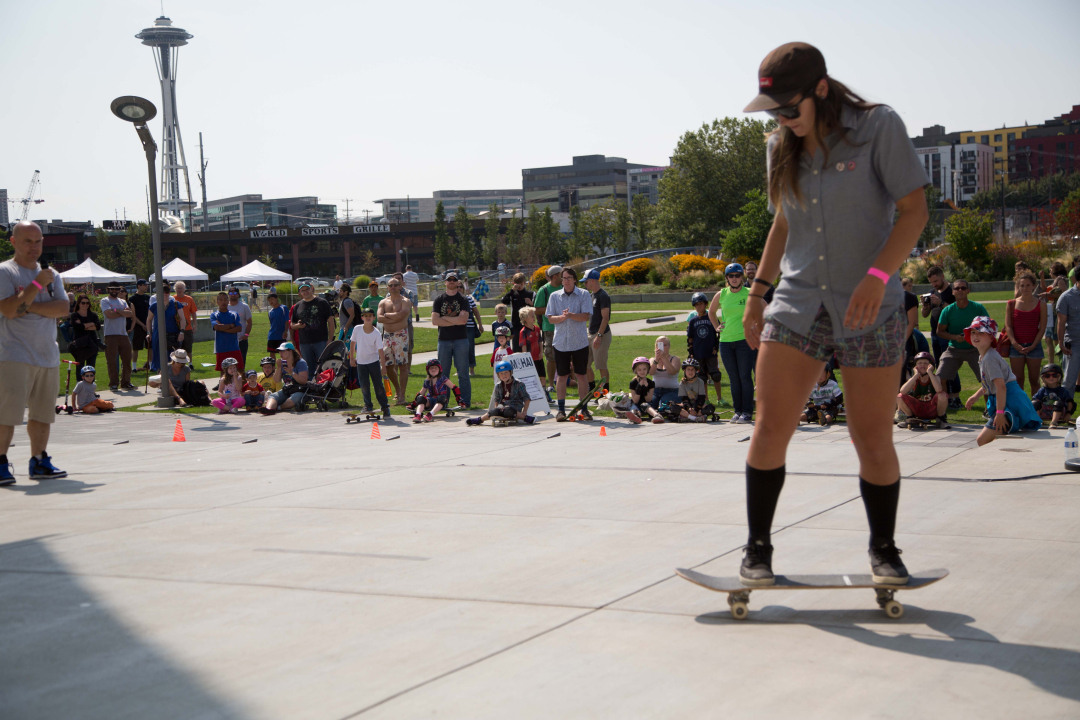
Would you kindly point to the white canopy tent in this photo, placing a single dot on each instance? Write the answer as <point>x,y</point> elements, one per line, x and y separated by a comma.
<point>89,271</point>
<point>255,270</point>
<point>177,269</point>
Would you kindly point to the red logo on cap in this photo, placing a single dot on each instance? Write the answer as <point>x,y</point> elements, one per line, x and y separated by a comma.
<point>766,82</point>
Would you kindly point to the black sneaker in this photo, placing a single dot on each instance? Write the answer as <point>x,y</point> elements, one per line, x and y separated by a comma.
<point>756,570</point>
<point>474,421</point>
<point>955,404</point>
<point>386,413</point>
<point>114,388</point>
<point>886,567</point>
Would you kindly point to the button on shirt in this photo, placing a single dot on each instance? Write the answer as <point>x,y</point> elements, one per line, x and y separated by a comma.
<point>570,335</point>
<point>836,233</point>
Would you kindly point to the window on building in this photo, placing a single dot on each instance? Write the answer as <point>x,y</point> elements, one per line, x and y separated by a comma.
<point>997,148</point>
<point>985,139</point>
<point>997,138</point>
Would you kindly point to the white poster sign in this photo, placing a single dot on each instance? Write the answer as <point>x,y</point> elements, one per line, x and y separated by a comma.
<point>525,371</point>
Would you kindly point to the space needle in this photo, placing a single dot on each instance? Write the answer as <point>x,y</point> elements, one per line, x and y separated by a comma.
<point>166,41</point>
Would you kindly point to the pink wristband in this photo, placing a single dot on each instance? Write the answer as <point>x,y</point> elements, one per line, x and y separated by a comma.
<point>36,284</point>
<point>1000,412</point>
<point>879,274</point>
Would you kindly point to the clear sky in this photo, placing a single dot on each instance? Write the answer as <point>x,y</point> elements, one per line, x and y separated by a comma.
<point>365,100</point>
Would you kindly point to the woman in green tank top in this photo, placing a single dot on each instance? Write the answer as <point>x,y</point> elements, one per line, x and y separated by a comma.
<point>735,352</point>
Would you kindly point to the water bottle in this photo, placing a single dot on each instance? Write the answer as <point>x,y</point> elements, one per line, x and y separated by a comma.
<point>1071,450</point>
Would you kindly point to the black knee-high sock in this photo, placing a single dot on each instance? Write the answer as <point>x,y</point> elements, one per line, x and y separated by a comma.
<point>880,502</point>
<point>762,491</point>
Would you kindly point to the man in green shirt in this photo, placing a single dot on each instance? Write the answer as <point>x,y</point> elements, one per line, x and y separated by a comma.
<point>954,318</point>
<point>554,276</point>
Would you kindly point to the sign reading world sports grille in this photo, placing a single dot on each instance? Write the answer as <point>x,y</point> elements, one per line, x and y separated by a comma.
<point>281,232</point>
<point>371,228</point>
<point>319,231</point>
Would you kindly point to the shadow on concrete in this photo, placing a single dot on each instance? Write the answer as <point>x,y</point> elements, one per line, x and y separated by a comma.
<point>1052,669</point>
<point>63,486</point>
<point>67,656</point>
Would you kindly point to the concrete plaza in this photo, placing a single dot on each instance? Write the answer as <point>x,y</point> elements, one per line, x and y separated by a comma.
<point>492,573</point>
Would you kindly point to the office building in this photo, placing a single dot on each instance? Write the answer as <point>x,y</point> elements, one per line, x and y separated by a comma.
<point>422,209</point>
<point>1003,141</point>
<point>958,171</point>
<point>250,211</point>
<point>588,180</point>
<point>1049,149</point>
<point>645,181</point>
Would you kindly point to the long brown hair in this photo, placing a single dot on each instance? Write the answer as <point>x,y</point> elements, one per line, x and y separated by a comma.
<point>784,160</point>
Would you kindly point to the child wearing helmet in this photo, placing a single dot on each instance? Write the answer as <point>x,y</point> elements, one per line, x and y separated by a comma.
<point>509,398</point>
<point>702,343</point>
<point>84,397</point>
<point>642,389</point>
<point>1009,408</point>
<point>230,387</point>
<point>1053,402</point>
<point>436,392</point>
<point>923,397</point>
<point>266,377</point>
<point>693,395</point>
<point>825,399</point>
<point>502,344</point>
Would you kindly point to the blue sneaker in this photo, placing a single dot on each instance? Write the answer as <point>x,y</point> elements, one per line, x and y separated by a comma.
<point>7,474</point>
<point>44,469</point>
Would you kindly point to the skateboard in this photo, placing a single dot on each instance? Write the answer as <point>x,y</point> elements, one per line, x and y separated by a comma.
<point>739,594</point>
<point>598,392</point>
<point>351,417</point>
<point>503,422</point>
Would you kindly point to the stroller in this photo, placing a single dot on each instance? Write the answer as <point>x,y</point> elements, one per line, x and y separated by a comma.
<point>329,378</point>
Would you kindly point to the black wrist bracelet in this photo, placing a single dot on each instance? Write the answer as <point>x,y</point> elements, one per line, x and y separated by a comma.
<point>766,283</point>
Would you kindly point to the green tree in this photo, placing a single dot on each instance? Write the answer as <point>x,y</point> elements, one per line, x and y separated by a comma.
<point>711,171</point>
<point>970,233</point>
<point>106,255</point>
<point>268,261</point>
<point>514,240</point>
<point>7,250</point>
<point>550,245</point>
<point>491,236</point>
<point>752,226</point>
<point>599,222</point>
<point>1068,214</point>
<point>577,244</point>
<point>620,231</point>
<point>136,252</point>
<point>932,231</point>
<point>643,215</point>
<point>466,248</point>
<point>444,251</point>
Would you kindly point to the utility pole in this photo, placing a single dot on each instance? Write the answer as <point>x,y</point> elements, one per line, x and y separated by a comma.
<point>202,180</point>
<point>367,216</point>
<point>347,215</point>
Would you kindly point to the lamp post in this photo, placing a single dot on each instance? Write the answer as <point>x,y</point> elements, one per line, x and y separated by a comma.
<point>226,263</point>
<point>140,111</point>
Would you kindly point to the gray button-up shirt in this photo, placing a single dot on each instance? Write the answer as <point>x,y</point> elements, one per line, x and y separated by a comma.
<point>836,233</point>
<point>572,334</point>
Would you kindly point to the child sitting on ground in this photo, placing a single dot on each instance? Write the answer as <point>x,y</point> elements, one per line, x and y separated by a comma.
<point>509,398</point>
<point>266,377</point>
<point>1008,407</point>
<point>437,389</point>
<point>84,397</point>
<point>502,344</point>
<point>1053,402</point>
<point>693,394</point>
<point>824,403</point>
<point>230,388</point>
<point>642,389</point>
<point>923,396</point>
<point>253,392</point>
<point>500,319</point>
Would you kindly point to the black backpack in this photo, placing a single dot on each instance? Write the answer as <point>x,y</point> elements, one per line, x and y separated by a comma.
<point>194,393</point>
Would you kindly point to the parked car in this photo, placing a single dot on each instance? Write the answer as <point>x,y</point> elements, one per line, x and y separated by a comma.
<point>219,286</point>
<point>315,282</point>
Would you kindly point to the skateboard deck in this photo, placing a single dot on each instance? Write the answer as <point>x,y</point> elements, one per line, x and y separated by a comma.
<point>598,392</point>
<point>503,422</point>
<point>351,417</point>
<point>739,594</point>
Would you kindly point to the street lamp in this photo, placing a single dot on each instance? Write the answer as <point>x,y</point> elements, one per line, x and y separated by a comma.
<point>139,111</point>
<point>226,263</point>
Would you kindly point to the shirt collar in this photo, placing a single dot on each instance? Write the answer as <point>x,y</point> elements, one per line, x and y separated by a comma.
<point>849,117</point>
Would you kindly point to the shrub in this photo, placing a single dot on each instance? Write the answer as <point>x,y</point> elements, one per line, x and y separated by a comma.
<point>698,280</point>
<point>970,233</point>
<point>638,270</point>
<point>686,263</point>
<point>361,282</point>
<point>616,276</point>
<point>1003,260</point>
<point>539,278</point>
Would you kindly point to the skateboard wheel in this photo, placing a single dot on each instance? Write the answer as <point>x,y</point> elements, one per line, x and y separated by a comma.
<point>348,421</point>
<point>894,609</point>
<point>739,611</point>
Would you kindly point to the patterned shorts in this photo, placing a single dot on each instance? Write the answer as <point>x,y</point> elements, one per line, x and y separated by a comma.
<point>882,347</point>
<point>396,346</point>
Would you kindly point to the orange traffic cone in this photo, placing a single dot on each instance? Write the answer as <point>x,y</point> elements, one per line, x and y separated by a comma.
<point>603,431</point>
<point>178,433</point>
<point>375,432</point>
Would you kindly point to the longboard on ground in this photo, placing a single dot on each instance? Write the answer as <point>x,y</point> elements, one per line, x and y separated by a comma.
<point>598,392</point>
<point>739,594</point>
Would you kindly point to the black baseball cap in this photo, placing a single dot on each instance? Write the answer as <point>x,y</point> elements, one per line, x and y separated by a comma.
<point>141,282</point>
<point>786,72</point>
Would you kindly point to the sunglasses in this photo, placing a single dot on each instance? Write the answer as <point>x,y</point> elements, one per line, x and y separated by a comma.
<point>960,287</point>
<point>735,275</point>
<point>791,112</point>
<point>1052,375</point>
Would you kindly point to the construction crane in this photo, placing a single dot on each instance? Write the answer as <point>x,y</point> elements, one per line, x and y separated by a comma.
<point>35,183</point>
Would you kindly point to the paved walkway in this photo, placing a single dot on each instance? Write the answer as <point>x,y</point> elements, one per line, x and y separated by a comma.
<point>291,567</point>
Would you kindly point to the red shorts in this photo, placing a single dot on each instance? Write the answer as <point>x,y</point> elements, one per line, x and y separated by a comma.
<point>231,354</point>
<point>922,409</point>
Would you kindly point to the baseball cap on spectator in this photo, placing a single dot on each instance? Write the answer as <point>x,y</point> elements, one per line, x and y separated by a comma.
<point>303,285</point>
<point>787,72</point>
<point>593,274</point>
<point>554,270</point>
<point>451,276</point>
<point>286,346</point>
<point>251,373</point>
<point>140,281</point>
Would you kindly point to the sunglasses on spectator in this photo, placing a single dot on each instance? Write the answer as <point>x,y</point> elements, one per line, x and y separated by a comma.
<point>960,287</point>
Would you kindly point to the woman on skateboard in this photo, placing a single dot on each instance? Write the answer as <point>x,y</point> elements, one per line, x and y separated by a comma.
<point>838,167</point>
